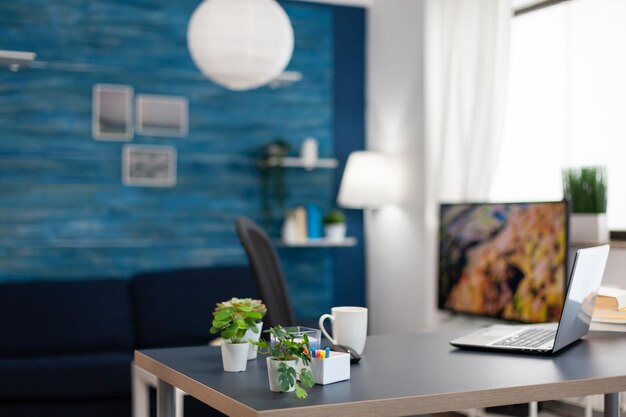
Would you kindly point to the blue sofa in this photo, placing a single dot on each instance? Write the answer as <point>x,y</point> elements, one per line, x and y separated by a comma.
<point>67,346</point>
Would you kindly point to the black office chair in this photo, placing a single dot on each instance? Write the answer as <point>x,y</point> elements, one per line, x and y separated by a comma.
<point>267,273</point>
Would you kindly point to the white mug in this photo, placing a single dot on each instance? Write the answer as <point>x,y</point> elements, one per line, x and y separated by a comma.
<point>349,326</point>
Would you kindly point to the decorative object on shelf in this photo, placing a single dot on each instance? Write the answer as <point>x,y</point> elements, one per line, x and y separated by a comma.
<point>586,188</point>
<point>335,225</point>
<point>232,319</point>
<point>273,179</point>
<point>309,153</point>
<point>289,230</point>
<point>112,112</point>
<point>161,115</point>
<point>313,221</point>
<point>151,166</point>
<point>285,351</point>
<point>365,181</point>
<point>240,44</point>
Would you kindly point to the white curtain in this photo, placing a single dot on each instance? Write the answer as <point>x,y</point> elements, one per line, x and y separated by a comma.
<point>466,67</point>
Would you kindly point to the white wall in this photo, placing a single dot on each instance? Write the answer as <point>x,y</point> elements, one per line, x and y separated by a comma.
<point>399,297</point>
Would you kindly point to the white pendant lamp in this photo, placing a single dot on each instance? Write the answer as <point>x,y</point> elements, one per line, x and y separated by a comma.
<point>240,44</point>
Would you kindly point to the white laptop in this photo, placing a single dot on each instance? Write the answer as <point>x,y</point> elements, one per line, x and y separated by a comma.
<point>580,298</point>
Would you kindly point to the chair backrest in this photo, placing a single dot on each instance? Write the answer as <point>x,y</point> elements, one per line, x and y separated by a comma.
<point>267,273</point>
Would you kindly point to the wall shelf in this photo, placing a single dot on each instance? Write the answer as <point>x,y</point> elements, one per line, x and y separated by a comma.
<point>292,162</point>
<point>318,243</point>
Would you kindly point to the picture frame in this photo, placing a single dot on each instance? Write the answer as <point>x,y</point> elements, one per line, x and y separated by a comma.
<point>112,112</point>
<point>149,166</point>
<point>159,115</point>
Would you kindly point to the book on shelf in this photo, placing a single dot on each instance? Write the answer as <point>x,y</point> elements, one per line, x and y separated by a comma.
<point>607,327</point>
<point>609,316</point>
<point>301,224</point>
<point>610,306</point>
<point>610,298</point>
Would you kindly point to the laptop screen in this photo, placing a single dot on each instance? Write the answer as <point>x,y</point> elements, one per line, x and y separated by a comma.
<point>504,260</point>
<point>585,282</point>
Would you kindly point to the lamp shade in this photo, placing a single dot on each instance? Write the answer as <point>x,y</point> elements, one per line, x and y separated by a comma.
<point>365,181</point>
<point>240,44</point>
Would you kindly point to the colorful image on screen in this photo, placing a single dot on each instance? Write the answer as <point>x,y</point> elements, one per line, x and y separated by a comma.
<point>504,260</point>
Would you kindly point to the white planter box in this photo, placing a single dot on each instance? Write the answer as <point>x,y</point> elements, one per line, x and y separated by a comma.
<point>333,369</point>
<point>589,227</point>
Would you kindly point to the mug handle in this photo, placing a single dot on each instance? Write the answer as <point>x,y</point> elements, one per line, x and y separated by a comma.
<point>321,324</point>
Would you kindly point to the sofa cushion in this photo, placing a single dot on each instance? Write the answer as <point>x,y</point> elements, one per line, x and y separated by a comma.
<point>174,308</point>
<point>77,376</point>
<point>42,318</point>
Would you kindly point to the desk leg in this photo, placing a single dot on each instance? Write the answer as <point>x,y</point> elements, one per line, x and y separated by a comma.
<point>611,404</point>
<point>165,399</point>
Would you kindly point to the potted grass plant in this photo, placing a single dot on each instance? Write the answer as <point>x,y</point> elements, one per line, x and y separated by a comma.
<point>285,350</point>
<point>335,225</point>
<point>232,319</point>
<point>586,188</point>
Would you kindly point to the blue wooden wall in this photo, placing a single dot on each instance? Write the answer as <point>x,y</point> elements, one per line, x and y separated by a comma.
<point>64,213</point>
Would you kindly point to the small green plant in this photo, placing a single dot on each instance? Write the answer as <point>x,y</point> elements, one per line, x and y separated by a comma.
<point>273,184</point>
<point>335,216</point>
<point>232,318</point>
<point>586,188</point>
<point>285,348</point>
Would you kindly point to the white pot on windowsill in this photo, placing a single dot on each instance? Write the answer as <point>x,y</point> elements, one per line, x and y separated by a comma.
<point>589,227</point>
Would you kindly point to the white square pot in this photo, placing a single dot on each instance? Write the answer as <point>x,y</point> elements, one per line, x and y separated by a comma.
<point>333,369</point>
<point>589,227</point>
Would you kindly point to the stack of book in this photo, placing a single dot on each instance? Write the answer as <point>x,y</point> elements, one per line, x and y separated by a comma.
<point>610,310</point>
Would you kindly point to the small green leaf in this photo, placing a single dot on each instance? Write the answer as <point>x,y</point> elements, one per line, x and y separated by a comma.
<point>224,314</point>
<point>241,324</point>
<point>285,378</point>
<point>230,331</point>
<point>218,324</point>
<point>306,377</point>
<point>300,392</point>
<point>252,325</point>
<point>255,315</point>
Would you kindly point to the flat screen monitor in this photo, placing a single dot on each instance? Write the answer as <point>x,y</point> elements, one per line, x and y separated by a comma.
<point>504,260</point>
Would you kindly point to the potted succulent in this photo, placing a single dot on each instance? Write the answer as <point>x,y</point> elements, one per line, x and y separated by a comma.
<point>232,320</point>
<point>335,225</point>
<point>586,189</point>
<point>248,305</point>
<point>285,351</point>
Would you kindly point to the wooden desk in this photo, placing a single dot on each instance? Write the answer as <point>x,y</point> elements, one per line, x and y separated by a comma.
<point>399,376</point>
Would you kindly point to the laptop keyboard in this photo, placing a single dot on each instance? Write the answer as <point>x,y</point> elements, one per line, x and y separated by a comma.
<point>529,338</point>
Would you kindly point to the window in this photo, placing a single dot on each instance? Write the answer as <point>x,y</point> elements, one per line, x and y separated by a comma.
<point>566,102</point>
